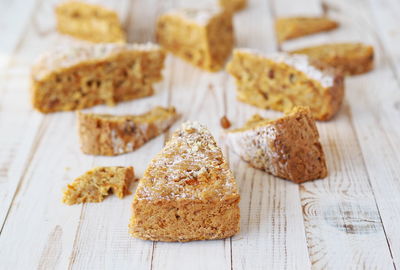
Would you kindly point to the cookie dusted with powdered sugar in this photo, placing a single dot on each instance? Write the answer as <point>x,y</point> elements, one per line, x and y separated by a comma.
<point>110,135</point>
<point>347,58</point>
<point>81,76</point>
<point>282,81</point>
<point>187,192</point>
<point>288,147</point>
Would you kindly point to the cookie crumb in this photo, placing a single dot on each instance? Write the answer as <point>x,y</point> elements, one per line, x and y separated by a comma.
<point>225,123</point>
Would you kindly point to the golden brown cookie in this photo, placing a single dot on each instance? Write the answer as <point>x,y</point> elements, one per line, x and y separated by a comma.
<point>294,27</point>
<point>89,22</point>
<point>282,81</point>
<point>95,185</point>
<point>83,76</point>
<point>347,58</point>
<point>110,135</point>
<point>203,37</point>
<point>233,5</point>
<point>288,147</point>
<point>187,192</point>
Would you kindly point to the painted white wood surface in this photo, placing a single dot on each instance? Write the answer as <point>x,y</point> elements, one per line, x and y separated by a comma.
<point>347,221</point>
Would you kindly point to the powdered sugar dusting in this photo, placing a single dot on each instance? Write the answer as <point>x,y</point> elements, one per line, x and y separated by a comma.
<point>191,166</point>
<point>64,57</point>
<point>199,16</point>
<point>254,146</point>
<point>298,61</point>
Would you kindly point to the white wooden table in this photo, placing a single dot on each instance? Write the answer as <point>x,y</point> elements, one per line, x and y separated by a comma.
<point>350,220</point>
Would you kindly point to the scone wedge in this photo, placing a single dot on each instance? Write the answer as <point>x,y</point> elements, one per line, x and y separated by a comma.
<point>203,37</point>
<point>288,147</point>
<point>347,58</point>
<point>82,76</point>
<point>187,192</point>
<point>281,81</point>
<point>89,22</point>
<point>110,135</point>
<point>293,27</point>
<point>233,5</point>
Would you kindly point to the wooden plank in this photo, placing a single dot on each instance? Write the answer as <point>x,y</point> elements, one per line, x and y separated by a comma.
<point>18,136</point>
<point>197,95</point>
<point>383,23</point>
<point>13,27</point>
<point>51,235</point>
<point>18,126</point>
<point>375,112</point>
<point>349,218</point>
<point>103,228</point>
<point>272,231</point>
<point>346,200</point>
<point>202,89</point>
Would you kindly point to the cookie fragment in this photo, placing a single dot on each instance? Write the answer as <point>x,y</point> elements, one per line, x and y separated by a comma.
<point>96,184</point>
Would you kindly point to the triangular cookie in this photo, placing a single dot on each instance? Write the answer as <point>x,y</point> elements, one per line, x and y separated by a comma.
<point>187,192</point>
<point>89,22</point>
<point>288,147</point>
<point>204,37</point>
<point>281,81</point>
<point>347,58</point>
<point>294,27</point>
<point>82,76</point>
<point>110,135</point>
<point>96,184</point>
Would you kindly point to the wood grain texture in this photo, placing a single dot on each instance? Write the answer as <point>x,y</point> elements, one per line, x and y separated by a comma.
<point>347,221</point>
<point>361,214</point>
<point>272,230</point>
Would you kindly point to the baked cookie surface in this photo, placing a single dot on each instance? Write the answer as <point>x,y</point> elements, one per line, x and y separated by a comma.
<point>294,27</point>
<point>110,135</point>
<point>282,81</point>
<point>89,22</point>
<point>82,76</point>
<point>95,185</point>
<point>287,147</point>
<point>203,37</point>
<point>347,58</point>
<point>187,192</point>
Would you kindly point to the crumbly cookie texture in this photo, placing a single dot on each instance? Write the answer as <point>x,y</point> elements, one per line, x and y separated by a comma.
<point>233,5</point>
<point>187,192</point>
<point>110,135</point>
<point>203,37</point>
<point>288,147</point>
<point>294,27</point>
<point>347,58</point>
<point>77,77</point>
<point>97,183</point>
<point>89,22</point>
<point>282,81</point>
